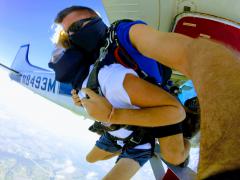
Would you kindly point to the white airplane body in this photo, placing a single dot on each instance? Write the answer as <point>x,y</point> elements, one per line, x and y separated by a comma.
<point>157,13</point>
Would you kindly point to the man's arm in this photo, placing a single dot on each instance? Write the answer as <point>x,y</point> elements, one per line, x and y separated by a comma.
<point>169,49</point>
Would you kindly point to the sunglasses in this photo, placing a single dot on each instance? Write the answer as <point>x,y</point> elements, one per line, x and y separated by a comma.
<point>78,25</point>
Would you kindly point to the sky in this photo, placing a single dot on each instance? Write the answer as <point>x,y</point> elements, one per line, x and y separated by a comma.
<point>29,22</point>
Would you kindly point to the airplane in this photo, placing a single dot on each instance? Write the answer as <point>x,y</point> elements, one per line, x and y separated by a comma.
<point>216,19</point>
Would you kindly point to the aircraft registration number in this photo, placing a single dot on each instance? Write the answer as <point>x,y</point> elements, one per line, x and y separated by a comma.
<point>39,82</point>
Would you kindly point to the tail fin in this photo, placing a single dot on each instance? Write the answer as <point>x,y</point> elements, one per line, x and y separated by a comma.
<point>21,62</point>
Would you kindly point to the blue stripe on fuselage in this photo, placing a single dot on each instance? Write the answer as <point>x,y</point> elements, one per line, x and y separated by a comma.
<point>15,77</point>
<point>65,89</point>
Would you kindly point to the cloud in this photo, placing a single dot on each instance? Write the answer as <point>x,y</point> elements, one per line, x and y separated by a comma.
<point>92,175</point>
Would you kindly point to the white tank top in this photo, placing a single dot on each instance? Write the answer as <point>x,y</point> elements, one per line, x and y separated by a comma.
<point>111,82</point>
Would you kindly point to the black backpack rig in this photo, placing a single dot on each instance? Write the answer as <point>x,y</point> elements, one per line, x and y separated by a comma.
<point>114,52</point>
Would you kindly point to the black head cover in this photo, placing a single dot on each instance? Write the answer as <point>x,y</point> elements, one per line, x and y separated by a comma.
<point>72,67</point>
<point>90,37</point>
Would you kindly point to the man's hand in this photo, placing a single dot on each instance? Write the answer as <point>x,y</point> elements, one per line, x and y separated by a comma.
<point>96,106</point>
<point>76,98</point>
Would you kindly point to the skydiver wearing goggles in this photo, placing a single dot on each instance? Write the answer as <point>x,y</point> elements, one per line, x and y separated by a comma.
<point>86,35</point>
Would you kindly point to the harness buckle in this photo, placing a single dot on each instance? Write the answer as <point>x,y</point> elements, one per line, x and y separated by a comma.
<point>103,53</point>
<point>135,140</point>
<point>107,44</point>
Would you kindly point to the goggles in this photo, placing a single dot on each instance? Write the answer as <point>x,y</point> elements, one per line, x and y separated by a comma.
<point>78,25</point>
<point>63,40</point>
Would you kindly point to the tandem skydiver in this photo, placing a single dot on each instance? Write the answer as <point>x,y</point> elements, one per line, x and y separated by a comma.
<point>149,105</point>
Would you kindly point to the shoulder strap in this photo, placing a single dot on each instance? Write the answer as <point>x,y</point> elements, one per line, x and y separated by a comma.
<point>166,74</point>
<point>93,83</point>
<point>112,35</point>
<point>110,41</point>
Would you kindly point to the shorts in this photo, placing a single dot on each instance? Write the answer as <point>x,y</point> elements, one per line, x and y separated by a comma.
<point>106,143</point>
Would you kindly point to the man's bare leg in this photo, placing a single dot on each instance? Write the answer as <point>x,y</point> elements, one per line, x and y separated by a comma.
<point>125,169</point>
<point>215,71</point>
<point>174,149</point>
<point>97,154</point>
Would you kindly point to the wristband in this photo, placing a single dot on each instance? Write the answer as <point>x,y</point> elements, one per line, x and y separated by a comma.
<point>110,115</point>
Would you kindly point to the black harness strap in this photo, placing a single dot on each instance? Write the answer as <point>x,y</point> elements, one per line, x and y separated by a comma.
<point>164,131</point>
<point>138,137</point>
<point>93,83</point>
<point>135,139</point>
<point>99,128</point>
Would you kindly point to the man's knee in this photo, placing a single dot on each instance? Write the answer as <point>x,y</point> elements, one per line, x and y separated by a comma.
<point>91,159</point>
<point>174,158</point>
<point>175,155</point>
